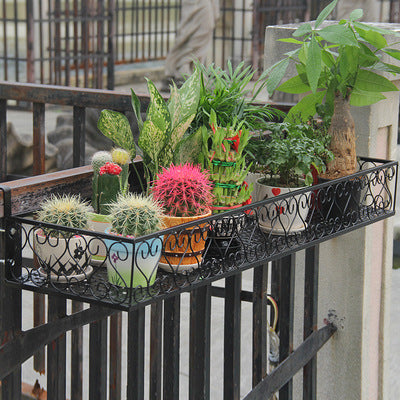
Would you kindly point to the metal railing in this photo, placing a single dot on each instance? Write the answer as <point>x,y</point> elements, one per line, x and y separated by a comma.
<point>252,251</point>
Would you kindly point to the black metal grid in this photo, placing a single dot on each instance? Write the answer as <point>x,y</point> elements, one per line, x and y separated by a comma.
<point>237,240</point>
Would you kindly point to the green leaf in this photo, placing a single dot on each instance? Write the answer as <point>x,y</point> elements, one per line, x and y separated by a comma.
<point>372,37</point>
<point>327,58</point>
<point>371,82</point>
<point>189,149</point>
<point>313,65</point>
<point>393,53</point>
<point>338,34</point>
<point>362,98</point>
<point>381,66</point>
<point>136,108</point>
<point>367,56</point>
<point>302,30</point>
<point>348,64</point>
<point>356,14</point>
<point>375,28</point>
<point>305,108</point>
<point>276,75</point>
<point>116,127</point>
<point>324,14</point>
<point>295,85</point>
<point>290,40</point>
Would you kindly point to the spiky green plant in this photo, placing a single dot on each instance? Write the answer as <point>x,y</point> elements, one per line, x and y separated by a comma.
<point>136,215</point>
<point>65,210</point>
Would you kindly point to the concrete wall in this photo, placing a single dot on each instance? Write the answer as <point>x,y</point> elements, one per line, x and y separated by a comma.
<point>355,269</point>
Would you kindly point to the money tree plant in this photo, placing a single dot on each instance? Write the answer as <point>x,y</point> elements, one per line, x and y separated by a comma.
<point>338,64</point>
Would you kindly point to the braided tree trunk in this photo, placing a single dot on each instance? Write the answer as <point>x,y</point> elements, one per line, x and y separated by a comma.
<point>343,143</point>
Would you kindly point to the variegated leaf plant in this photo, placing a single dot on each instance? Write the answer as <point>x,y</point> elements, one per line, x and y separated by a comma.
<point>163,130</point>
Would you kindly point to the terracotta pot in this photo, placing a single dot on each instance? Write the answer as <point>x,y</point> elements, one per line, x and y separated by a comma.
<point>183,251</point>
<point>283,215</point>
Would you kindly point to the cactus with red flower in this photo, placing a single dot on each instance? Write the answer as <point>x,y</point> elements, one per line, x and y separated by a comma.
<point>110,177</point>
<point>183,190</point>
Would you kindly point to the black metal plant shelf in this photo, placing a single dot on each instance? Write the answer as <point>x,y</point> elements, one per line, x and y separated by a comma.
<point>233,241</point>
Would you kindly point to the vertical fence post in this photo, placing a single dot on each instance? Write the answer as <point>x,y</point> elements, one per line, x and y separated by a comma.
<point>286,315</point>
<point>115,356</point>
<point>136,343</point>
<point>110,45</point>
<point>172,312</point>
<point>199,350</point>
<point>76,356</point>
<point>98,359</point>
<point>260,280</point>
<point>310,319</point>
<point>30,41</point>
<point>56,352</point>
<point>155,350</point>
<point>233,286</point>
<point>10,308</point>
<point>3,140</point>
<point>79,137</point>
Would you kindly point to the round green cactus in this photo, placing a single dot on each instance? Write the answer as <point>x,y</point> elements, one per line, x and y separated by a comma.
<point>99,159</point>
<point>65,210</point>
<point>136,215</point>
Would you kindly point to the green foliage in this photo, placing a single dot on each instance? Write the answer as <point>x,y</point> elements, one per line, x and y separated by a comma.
<point>227,94</point>
<point>165,125</point>
<point>135,215</point>
<point>289,152</point>
<point>66,210</point>
<point>222,154</point>
<point>343,58</point>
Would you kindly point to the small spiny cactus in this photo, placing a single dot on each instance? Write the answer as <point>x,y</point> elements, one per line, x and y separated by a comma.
<point>110,177</point>
<point>66,210</point>
<point>135,215</point>
<point>183,190</point>
<point>99,159</point>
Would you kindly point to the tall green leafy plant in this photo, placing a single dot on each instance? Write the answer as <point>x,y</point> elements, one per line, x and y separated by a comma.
<point>339,65</point>
<point>341,58</point>
<point>162,139</point>
<point>232,95</point>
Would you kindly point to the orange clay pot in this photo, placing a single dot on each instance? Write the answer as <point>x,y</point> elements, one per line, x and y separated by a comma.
<point>186,247</point>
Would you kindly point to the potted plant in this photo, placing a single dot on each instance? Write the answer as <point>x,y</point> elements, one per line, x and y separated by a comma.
<point>110,178</point>
<point>287,158</point>
<point>63,255</point>
<point>337,65</point>
<point>184,191</point>
<point>233,96</point>
<point>162,139</point>
<point>134,264</point>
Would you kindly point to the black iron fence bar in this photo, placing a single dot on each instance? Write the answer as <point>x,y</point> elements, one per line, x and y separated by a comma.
<point>310,318</point>
<point>18,349</point>
<point>288,368</point>
<point>156,344</point>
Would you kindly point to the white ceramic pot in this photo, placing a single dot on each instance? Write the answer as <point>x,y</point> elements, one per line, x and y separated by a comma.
<point>62,259</point>
<point>284,215</point>
<point>131,265</point>
<point>97,248</point>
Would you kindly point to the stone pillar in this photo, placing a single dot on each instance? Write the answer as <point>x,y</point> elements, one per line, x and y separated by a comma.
<point>355,269</point>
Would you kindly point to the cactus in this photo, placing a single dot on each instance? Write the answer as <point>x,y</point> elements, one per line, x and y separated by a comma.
<point>183,190</point>
<point>110,177</point>
<point>66,210</point>
<point>135,215</point>
<point>122,158</point>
